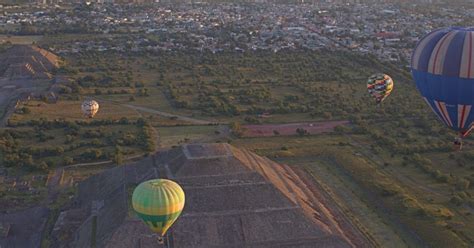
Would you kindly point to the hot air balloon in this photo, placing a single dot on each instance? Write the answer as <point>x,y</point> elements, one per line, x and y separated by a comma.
<point>380,86</point>
<point>158,203</point>
<point>443,68</point>
<point>90,108</point>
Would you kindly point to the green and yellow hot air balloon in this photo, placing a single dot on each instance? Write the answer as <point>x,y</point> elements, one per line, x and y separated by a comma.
<point>158,203</point>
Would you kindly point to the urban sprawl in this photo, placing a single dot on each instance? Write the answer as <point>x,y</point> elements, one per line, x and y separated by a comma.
<point>389,31</point>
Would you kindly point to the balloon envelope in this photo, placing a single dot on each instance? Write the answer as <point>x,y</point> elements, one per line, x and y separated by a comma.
<point>443,68</point>
<point>90,108</point>
<point>380,86</point>
<point>158,203</point>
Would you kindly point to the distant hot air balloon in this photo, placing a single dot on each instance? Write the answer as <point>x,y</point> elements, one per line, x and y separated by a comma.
<point>443,68</point>
<point>90,108</point>
<point>380,86</point>
<point>158,203</point>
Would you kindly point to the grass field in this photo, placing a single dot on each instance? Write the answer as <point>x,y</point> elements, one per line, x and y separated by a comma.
<point>76,140</point>
<point>71,110</point>
<point>170,136</point>
<point>23,40</point>
<point>361,212</point>
<point>228,87</point>
<point>291,129</point>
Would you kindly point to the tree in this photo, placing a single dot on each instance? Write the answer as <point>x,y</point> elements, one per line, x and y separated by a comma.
<point>68,160</point>
<point>340,129</point>
<point>301,131</point>
<point>98,92</point>
<point>43,166</point>
<point>236,128</point>
<point>25,110</point>
<point>462,184</point>
<point>91,154</point>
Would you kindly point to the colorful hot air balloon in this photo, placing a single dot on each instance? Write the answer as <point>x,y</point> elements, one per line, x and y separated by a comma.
<point>90,108</point>
<point>443,68</point>
<point>380,86</point>
<point>158,203</point>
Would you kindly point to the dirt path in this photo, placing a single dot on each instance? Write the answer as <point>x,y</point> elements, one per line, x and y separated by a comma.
<point>162,113</point>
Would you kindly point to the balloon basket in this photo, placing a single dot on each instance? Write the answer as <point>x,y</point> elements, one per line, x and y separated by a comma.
<point>458,143</point>
<point>161,240</point>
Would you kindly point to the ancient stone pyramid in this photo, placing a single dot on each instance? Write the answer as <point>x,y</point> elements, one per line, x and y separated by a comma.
<point>235,198</point>
<point>27,62</point>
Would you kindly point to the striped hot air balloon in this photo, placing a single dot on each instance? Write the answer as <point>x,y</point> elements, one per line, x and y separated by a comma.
<point>443,68</point>
<point>90,108</point>
<point>380,86</point>
<point>158,203</point>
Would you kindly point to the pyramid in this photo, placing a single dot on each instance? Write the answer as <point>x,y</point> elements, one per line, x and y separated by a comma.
<point>235,198</point>
<point>27,62</point>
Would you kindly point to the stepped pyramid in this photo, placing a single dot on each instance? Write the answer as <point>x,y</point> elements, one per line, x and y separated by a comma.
<point>235,198</point>
<point>27,62</point>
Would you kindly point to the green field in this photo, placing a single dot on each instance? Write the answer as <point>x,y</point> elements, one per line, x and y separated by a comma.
<point>44,136</point>
<point>23,39</point>
<point>171,136</point>
<point>229,87</point>
<point>70,110</point>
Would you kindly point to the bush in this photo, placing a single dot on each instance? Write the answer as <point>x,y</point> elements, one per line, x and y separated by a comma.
<point>301,131</point>
<point>237,129</point>
<point>442,178</point>
<point>43,166</point>
<point>456,200</point>
<point>462,184</point>
<point>68,160</point>
<point>340,129</point>
<point>91,154</point>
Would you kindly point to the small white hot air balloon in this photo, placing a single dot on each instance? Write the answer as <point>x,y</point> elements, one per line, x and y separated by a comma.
<point>90,108</point>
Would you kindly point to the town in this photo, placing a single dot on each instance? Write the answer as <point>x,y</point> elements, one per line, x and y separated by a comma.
<point>388,31</point>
